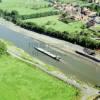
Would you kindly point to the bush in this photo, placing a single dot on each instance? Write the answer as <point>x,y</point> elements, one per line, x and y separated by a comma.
<point>82,40</point>
<point>37,15</point>
<point>1,12</point>
<point>3,49</point>
<point>67,20</point>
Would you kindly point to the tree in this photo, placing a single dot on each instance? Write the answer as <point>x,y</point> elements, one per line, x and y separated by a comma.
<point>3,48</point>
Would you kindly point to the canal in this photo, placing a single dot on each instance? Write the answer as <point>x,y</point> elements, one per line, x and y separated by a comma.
<point>72,65</point>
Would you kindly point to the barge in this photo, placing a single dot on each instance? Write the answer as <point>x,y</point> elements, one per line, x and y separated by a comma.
<point>48,53</point>
<point>88,56</point>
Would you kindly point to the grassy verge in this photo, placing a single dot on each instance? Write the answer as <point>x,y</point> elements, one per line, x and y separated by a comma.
<point>54,23</point>
<point>19,81</point>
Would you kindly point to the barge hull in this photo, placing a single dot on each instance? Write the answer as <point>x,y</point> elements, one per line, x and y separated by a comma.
<point>47,53</point>
<point>88,56</point>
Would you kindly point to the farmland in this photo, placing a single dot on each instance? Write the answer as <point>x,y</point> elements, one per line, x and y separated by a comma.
<point>30,4</point>
<point>26,7</point>
<point>19,81</point>
<point>54,23</point>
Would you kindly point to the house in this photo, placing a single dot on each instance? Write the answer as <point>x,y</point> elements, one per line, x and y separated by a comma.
<point>93,1</point>
<point>97,20</point>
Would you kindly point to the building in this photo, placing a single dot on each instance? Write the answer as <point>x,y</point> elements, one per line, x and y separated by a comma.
<point>93,1</point>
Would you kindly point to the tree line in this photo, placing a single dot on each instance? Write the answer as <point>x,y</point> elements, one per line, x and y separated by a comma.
<point>14,13</point>
<point>41,14</point>
<point>82,40</point>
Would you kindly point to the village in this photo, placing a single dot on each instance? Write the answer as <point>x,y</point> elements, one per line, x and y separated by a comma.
<point>84,14</point>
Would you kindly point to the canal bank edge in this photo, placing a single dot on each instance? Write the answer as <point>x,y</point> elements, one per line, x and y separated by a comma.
<point>71,48</point>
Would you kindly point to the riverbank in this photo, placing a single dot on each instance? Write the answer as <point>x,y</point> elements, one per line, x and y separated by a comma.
<point>59,45</point>
<point>86,90</point>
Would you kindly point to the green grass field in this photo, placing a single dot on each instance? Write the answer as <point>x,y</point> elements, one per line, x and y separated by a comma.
<point>28,11</point>
<point>53,22</point>
<point>25,7</point>
<point>21,81</point>
<point>24,3</point>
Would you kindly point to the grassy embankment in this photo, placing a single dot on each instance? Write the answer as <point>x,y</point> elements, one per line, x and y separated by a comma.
<point>19,80</point>
<point>24,7</point>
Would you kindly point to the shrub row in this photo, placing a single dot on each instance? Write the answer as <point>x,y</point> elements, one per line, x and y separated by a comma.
<point>24,17</point>
<point>37,15</point>
<point>3,48</point>
<point>11,16</point>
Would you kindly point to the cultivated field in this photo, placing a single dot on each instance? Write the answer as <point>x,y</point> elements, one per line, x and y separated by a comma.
<point>21,81</point>
<point>54,23</point>
<point>24,3</point>
<point>25,7</point>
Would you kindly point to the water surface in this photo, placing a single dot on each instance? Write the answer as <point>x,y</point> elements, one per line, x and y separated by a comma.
<point>75,66</point>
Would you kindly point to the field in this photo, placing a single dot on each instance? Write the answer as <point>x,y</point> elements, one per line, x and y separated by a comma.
<point>25,7</point>
<point>23,3</point>
<point>21,81</point>
<point>28,11</point>
<point>54,23</point>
